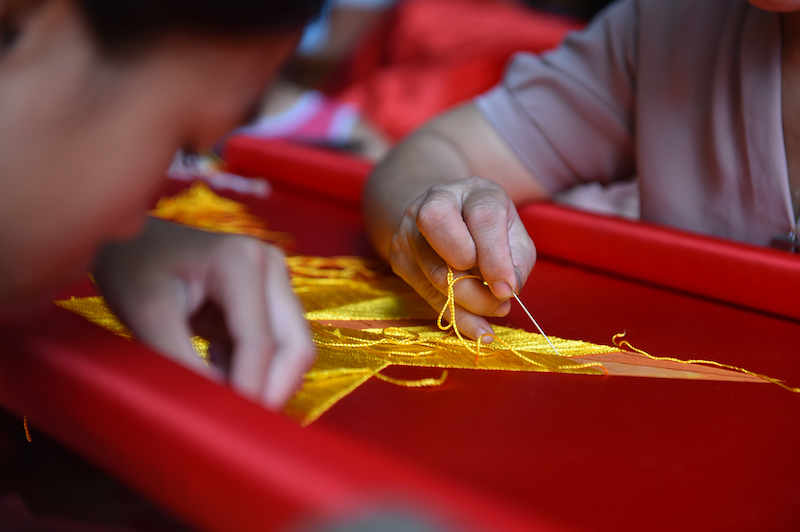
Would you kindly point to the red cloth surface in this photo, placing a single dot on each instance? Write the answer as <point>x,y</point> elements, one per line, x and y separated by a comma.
<point>763,279</point>
<point>437,53</point>
<point>610,453</point>
<point>504,451</point>
<point>16,517</point>
<point>214,458</point>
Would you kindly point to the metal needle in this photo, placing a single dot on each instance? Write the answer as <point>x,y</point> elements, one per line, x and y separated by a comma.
<point>537,325</point>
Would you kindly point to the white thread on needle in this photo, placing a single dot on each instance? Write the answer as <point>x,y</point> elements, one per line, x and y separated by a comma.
<point>537,325</point>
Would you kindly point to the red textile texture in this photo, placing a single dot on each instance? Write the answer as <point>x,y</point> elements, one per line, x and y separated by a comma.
<point>16,517</point>
<point>435,54</point>
<point>759,278</point>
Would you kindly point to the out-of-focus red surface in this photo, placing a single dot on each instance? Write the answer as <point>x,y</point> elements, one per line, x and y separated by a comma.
<point>435,54</point>
<point>214,458</point>
<point>759,278</point>
<point>591,453</point>
<point>616,453</point>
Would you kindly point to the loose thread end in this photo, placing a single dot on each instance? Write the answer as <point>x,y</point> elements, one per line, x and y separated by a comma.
<point>624,344</point>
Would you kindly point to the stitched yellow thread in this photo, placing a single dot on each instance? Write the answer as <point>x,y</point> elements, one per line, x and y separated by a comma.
<point>417,383</point>
<point>450,305</point>
<point>617,340</point>
<point>352,288</point>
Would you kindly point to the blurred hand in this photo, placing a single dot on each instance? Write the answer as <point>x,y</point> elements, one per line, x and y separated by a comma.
<point>173,282</point>
<point>472,225</point>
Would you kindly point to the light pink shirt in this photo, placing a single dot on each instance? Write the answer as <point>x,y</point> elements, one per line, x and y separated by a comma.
<point>684,94</point>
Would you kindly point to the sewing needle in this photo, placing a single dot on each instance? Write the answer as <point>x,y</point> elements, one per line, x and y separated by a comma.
<point>537,325</point>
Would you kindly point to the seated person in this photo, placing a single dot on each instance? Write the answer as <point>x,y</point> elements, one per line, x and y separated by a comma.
<point>95,97</point>
<point>697,99</point>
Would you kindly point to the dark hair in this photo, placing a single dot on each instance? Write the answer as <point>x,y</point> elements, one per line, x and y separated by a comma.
<point>124,26</point>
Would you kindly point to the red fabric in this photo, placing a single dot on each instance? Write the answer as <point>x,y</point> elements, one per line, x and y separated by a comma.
<point>214,458</point>
<point>760,278</point>
<point>603,453</point>
<point>299,168</point>
<point>764,279</point>
<point>438,53</point>
<point>597,453</point>
<point>16,517</point>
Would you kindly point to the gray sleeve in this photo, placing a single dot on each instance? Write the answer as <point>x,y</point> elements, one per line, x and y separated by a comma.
<point>569,113</point>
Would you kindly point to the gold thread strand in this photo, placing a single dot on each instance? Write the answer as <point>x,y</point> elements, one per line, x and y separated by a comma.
<point>355,289</point>
<point>617,340</point>
<point>429,382</point>
<point>25,426</point>
<point>451,306</point>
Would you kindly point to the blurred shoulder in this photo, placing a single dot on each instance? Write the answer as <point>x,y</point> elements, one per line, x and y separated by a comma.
<point>688,16</point>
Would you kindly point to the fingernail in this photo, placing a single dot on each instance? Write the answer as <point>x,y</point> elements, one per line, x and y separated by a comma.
<point>484,334</point>
<point>502,290</point>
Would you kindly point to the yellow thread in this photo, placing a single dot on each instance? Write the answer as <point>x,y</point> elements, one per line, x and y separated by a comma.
<point>450,305</point>
<point>342,267</point>
<point>25,425</point>
<point>418,383</point>
<point>200,207</point>
<point>351,288</point>
<point>617,341</point>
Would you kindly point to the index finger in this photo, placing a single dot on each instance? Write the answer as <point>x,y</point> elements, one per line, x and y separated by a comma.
<point>294,350</point>
<point>439,219</point>
<point>486,214</point>
<point>236,285</point>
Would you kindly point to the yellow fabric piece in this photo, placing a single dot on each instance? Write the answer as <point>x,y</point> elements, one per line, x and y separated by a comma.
<point>199,207</point>
<point>347,357</point>
<point>351,288</point>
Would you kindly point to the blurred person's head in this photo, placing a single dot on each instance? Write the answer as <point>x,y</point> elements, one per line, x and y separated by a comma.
<point>97,95</point>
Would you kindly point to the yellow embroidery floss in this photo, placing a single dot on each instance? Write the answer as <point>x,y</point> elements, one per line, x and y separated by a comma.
<point>351,289</point>
<point>617,340</point>
<point>450,305</point>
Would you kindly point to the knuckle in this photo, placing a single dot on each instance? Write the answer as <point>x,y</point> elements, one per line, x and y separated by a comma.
<point>461,259</point>
<point>432,214</point>
<point>273,255</point>
<point>438,277</point>
<point>485,212</point>
<point>483,185</point>
<point>477,182</point>
<point>411,211</point>
<point>241,246</point>
<point>263,345</point>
